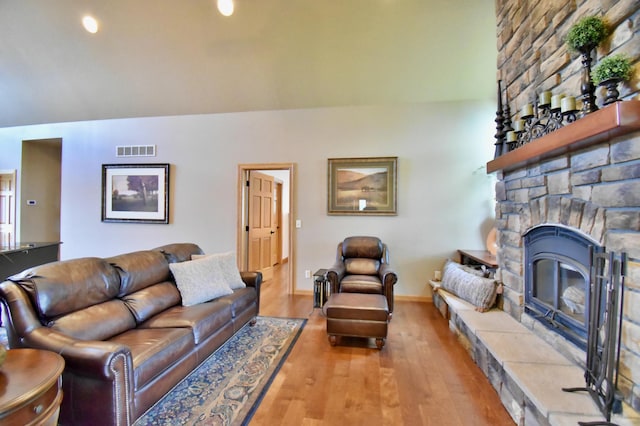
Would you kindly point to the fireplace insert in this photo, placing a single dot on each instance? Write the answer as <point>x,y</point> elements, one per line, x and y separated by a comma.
<point>556,279</point>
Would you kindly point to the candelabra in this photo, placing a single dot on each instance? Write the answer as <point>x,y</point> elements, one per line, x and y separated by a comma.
<point>500,133</point>
<point>542,117</point>
<point>503,123</point>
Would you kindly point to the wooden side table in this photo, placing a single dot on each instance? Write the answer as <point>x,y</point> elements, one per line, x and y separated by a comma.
<point>478,257</point>
<point>320,289</point>
<point>30,387</point>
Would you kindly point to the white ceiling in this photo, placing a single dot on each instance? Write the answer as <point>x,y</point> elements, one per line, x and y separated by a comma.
<point>172,57</point>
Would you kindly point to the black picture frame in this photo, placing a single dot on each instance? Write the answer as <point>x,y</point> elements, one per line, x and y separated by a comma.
<point>135,193</point>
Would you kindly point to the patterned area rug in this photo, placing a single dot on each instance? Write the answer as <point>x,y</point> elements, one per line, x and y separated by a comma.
<point>227,387</point>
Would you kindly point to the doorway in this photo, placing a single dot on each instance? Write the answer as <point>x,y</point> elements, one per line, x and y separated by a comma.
<point>40,190</point>
<point>282,224</point>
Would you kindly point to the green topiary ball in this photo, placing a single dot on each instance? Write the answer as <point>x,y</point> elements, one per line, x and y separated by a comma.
<point>615,66</point>
<point>587,34</point>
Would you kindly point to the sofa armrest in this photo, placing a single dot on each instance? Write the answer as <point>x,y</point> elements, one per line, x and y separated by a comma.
<point>91,358</point>
<point>387,275</point>
<point>91,367</point>
<point>87,357</point>
<point>253,279</point>
<point>389,278</point>
<point>335,275</point>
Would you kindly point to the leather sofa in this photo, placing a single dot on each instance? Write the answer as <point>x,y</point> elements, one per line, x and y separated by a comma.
<point>120,325</point>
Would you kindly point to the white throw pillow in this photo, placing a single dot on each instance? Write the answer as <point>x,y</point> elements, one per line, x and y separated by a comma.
<point>199,280</point>
<point>228,266</point>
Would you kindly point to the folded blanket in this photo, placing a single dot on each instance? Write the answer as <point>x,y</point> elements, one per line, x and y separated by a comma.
<point>469,285</point>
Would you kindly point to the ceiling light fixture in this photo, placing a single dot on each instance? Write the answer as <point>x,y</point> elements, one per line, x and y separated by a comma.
<point>225,7</point>
<point>90,24</point>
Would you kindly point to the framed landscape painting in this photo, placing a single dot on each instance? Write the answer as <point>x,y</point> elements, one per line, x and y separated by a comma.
<point>135,193</point>
<point>362,186</point>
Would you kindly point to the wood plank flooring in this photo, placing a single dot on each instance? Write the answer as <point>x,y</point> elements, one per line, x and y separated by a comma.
<point>423,376</point>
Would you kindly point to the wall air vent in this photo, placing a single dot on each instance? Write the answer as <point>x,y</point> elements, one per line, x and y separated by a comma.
<point>136,151</point>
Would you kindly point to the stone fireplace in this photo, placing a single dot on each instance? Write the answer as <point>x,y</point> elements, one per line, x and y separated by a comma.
<point>583,178</point>
<point>581,182</point>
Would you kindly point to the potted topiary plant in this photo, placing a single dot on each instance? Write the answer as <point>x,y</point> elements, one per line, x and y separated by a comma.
<point>583,37</point>
<point>609,72</point>
<point>587,34</point>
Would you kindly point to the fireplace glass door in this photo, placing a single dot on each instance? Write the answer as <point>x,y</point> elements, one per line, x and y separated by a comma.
<point>561,287</point>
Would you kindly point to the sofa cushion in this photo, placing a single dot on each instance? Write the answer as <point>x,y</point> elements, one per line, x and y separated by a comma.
<point>369,247</point>
<point>97,322</point>
<point>147,302</point>
<point>204,319</point>
<point>240,300</point>
<point>479,291</point>
<point>61,287</point>
<point>361,284</point>
<point>228,267</point>
<point>362,266</point>
<point>154,350</point>
<point>140,269</point>
<point>179,252</point>
<point>199,280</point>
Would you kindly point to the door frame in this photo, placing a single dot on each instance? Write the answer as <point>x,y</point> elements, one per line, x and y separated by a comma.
<point>278,213</point>
<point>242,209</point>
<point>13,208</point>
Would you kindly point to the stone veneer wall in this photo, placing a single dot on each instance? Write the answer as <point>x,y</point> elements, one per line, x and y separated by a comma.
<point>532,54</point>
<point>595,190</point>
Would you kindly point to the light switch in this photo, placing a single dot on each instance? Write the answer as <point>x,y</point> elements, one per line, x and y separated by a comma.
<point>298,223</point>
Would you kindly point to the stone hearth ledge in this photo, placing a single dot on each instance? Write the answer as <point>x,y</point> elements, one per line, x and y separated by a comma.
<point>526,371</point>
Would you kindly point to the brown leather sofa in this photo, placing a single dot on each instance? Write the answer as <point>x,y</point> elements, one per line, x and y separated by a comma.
<point>362,266</point>
<point>121,328</point>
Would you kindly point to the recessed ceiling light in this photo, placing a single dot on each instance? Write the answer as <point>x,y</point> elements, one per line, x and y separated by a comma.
<point>90,24</point>
<point>225,7</point>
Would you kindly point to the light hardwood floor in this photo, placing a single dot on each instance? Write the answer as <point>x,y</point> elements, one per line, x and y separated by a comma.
<point>423,376</point>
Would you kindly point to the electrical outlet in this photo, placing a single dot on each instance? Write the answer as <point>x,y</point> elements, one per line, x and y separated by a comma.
<point>307,273</point>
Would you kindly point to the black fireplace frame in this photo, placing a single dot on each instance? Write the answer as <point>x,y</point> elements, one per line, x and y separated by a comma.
<point>566,245</point>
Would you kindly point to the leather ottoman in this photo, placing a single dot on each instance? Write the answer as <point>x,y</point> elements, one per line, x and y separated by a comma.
<point>357,315</point>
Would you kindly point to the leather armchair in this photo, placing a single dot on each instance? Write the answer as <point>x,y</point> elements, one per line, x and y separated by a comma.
<point>362,266</point>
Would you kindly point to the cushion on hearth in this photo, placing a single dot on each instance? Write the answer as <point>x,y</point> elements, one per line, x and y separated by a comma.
<point>468,285</point>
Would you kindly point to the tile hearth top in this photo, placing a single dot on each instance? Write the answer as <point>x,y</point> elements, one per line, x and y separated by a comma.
<point>533,365</point>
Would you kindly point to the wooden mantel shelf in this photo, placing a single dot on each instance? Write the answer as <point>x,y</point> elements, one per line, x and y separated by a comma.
<point>611,121</point>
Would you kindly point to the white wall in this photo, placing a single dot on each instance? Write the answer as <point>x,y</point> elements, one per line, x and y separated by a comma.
<point>445,199</point>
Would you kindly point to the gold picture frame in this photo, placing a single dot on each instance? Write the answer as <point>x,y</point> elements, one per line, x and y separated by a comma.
<point>362,186</point>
